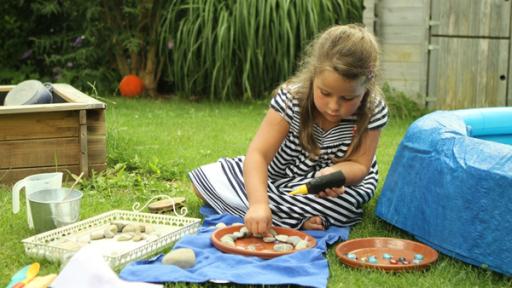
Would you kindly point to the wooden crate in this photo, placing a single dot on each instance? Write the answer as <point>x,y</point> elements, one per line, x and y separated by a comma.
<point>69,136</point>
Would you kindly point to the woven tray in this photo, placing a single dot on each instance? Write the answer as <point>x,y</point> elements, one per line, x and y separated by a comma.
<point>61,243</point>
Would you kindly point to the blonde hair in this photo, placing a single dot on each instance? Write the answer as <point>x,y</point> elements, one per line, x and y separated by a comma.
<point>352,52</point>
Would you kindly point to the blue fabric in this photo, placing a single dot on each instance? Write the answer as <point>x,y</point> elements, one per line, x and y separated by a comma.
<point>452,191</point>
<point>306,268</point>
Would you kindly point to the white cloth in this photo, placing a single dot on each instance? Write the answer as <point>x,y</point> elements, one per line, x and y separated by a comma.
<point>87,269</point>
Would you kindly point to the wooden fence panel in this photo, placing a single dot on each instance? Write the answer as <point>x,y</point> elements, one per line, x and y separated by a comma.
<point>468,72</point>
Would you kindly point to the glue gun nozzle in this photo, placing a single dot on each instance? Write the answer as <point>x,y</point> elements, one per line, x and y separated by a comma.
<point>301,190</point>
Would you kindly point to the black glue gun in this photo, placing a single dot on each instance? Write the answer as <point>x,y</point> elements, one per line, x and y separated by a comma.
<point>318,184</point>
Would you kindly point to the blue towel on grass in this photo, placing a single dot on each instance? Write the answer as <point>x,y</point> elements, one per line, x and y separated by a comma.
<point>307,268</point>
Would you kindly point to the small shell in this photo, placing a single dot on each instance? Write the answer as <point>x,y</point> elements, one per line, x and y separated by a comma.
<point>237,223</point>
<point>272,231</point>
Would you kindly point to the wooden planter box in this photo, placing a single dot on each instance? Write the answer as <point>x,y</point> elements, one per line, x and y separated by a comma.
<point>68,135</point>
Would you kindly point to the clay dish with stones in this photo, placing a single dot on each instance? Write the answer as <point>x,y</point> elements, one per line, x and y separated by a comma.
<point>356,253</point>
<point>261,249</point>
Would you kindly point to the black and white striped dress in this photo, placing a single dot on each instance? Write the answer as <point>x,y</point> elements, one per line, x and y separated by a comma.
<point>222,184</point>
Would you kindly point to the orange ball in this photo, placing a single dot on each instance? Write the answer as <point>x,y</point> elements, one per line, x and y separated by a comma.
<point>131,86</point>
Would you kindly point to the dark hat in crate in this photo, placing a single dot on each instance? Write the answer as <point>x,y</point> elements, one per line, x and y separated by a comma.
<point>29,92</point>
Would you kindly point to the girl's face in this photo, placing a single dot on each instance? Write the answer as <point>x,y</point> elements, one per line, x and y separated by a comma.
<point>336,97</point>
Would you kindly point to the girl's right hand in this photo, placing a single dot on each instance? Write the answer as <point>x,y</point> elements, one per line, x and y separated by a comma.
<point>258,219</point>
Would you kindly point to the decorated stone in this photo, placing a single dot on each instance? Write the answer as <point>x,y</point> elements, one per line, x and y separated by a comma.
<point>283,247</point>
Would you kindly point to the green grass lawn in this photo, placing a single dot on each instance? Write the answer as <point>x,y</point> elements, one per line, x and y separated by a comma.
<point>153,143</point>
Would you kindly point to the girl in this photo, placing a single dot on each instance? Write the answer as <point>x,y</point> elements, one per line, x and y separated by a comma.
<point>326,118</point>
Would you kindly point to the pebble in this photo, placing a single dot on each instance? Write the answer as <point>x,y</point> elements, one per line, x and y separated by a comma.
<point>228,240</point>
<point>96,235</point>
<point>393,261</point>
<point>110,231</point>
<point>372,259</point>
<point>283,247</point>
<point>281,237</point>
<point>416,261</point>
<point>302,244</point>
<point>183,258</point>
<point>132,227</point>
<point>352,256</point>
<point>245,231</point>
<point>419,257</point>
<point>238,235</point>
<point>124,237</point>
<point>387,256</point>
<point>220,225</point>
<point>69,245</point>
<point>269,239</point>
<point>138,237</point>
<point>120,224</point>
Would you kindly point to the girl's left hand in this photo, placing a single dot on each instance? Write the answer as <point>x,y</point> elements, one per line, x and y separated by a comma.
<point>332,192</point>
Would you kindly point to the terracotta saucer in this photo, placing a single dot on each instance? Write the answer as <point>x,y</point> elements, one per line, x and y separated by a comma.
<point>378,246</point>
<point>263,250</point>
<point>166,205</point>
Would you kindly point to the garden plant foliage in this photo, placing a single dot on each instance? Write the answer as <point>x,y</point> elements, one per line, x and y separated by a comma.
<point>220,50</point>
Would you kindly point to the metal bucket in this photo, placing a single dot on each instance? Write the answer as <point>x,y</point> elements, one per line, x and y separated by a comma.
<point>33,184</point>
<point>53,208</point>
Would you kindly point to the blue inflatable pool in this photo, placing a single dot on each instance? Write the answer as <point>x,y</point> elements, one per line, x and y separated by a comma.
<point>450,185</point>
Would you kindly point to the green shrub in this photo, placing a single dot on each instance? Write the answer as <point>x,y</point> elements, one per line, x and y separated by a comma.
<point>241,49</point>
<point>400,106</point>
